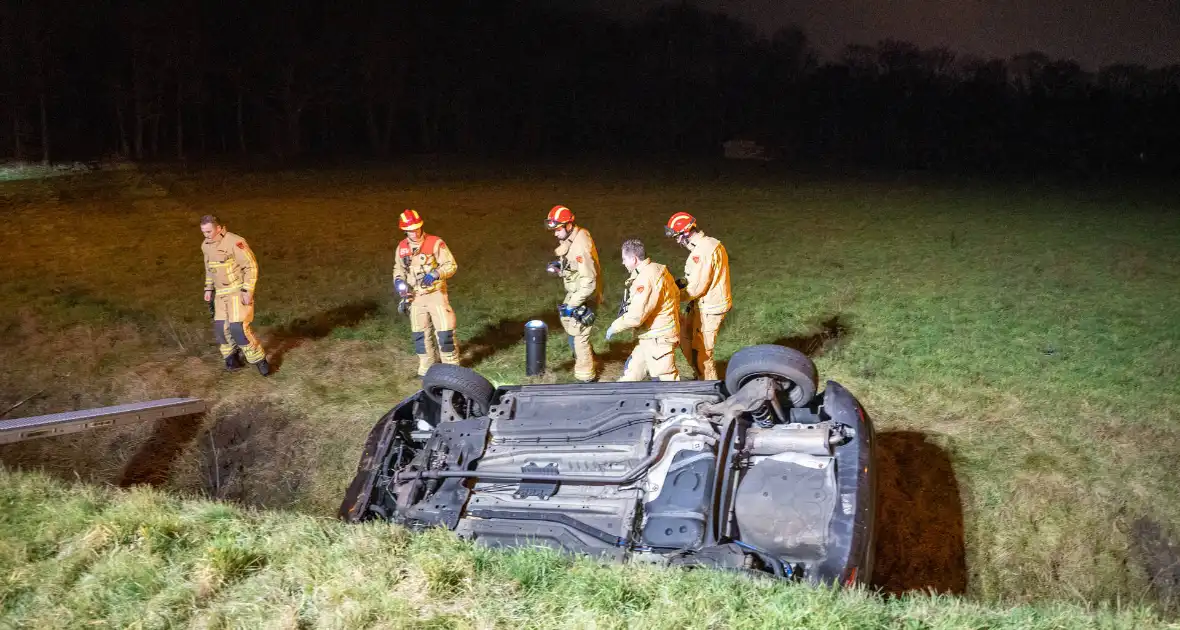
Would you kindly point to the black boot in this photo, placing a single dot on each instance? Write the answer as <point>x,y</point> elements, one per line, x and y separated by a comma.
<point>263,367</point>
<point>233,362</point>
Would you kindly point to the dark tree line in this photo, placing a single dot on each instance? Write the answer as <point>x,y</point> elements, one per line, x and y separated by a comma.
<point>172,79</point>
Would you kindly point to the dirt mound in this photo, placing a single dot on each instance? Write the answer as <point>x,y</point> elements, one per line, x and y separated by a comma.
<point>251,455</point>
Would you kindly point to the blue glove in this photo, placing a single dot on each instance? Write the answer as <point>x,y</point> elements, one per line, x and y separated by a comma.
<point>429,278</point>
<point>610,331</point>
<point>564,310</point>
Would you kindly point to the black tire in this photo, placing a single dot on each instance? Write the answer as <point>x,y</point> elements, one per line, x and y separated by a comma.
<point>463,381</point>
<point>788,366</point>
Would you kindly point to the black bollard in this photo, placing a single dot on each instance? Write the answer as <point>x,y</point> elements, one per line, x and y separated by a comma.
<point>535,334</point>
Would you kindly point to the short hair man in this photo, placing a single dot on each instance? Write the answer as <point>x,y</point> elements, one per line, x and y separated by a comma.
<point>231,273</point>
<point>651,301</point>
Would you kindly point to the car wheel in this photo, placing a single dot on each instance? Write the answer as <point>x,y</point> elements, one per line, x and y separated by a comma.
<point>792,369</point>
<point>460,380</point>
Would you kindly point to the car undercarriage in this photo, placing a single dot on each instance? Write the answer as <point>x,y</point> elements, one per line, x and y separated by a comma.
<point>774,477</point>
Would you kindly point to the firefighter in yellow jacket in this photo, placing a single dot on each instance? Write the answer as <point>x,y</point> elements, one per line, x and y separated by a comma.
<point>649,306</point>
<point>420,273</point>
<point>231,273</point>
<point>705,289</point>
<point>577,266</point>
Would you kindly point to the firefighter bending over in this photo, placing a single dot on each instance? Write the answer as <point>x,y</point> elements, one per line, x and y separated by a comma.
<point>651,303</point>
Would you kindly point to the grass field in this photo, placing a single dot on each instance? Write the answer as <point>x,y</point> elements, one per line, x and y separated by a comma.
<point>1017,345</point>
<point>147,560</point>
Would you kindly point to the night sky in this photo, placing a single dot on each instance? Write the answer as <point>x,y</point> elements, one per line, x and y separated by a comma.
<point>1091,32</point>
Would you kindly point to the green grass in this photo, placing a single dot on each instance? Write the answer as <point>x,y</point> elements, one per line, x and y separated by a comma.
<point>144,559</point>
<point>1016,345</point>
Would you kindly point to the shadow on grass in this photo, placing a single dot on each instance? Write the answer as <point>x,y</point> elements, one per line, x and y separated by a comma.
<point>825,334</point>
<point>283,339</point>
<point>1155,548</point>
<point>152,463</point>
<point>615,353</point>
<point>823,337</point>
<point>920,541</point>
<point>504,334</point>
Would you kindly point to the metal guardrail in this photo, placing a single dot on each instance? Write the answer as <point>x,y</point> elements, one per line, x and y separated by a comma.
<point>21,429</point>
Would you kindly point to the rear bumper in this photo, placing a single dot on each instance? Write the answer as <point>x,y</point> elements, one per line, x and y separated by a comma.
<point>849,557</point>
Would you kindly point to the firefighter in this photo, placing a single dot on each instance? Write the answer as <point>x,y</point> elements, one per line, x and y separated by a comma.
<point>705,291</point>
<point>577,266</point>
<point>420,273</point>
<point>650,306</point>
<point>231,273</point>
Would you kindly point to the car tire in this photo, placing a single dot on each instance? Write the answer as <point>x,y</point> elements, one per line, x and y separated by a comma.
<point>786,365</point>
<point>463,381</point>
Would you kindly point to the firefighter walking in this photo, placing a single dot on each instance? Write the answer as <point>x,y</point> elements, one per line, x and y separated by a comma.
<point>420,273</point>
<point>650,307</point>
<point>231,273</point>
<point>577,266</point>
<point>705,290</point>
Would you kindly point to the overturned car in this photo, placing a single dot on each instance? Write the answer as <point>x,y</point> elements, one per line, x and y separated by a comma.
<point>757,473</point>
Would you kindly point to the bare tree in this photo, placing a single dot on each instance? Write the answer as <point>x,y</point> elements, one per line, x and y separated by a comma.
<point>383,72</point>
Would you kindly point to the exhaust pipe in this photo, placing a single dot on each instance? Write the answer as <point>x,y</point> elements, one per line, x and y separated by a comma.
<point>536,334</point>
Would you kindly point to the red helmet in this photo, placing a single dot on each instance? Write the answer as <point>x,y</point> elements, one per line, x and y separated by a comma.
<point>680,223</point>
<point>409,220</point>
<point>559,216</point>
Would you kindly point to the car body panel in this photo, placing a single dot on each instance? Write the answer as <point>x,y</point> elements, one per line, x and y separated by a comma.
<point>688,506</point>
